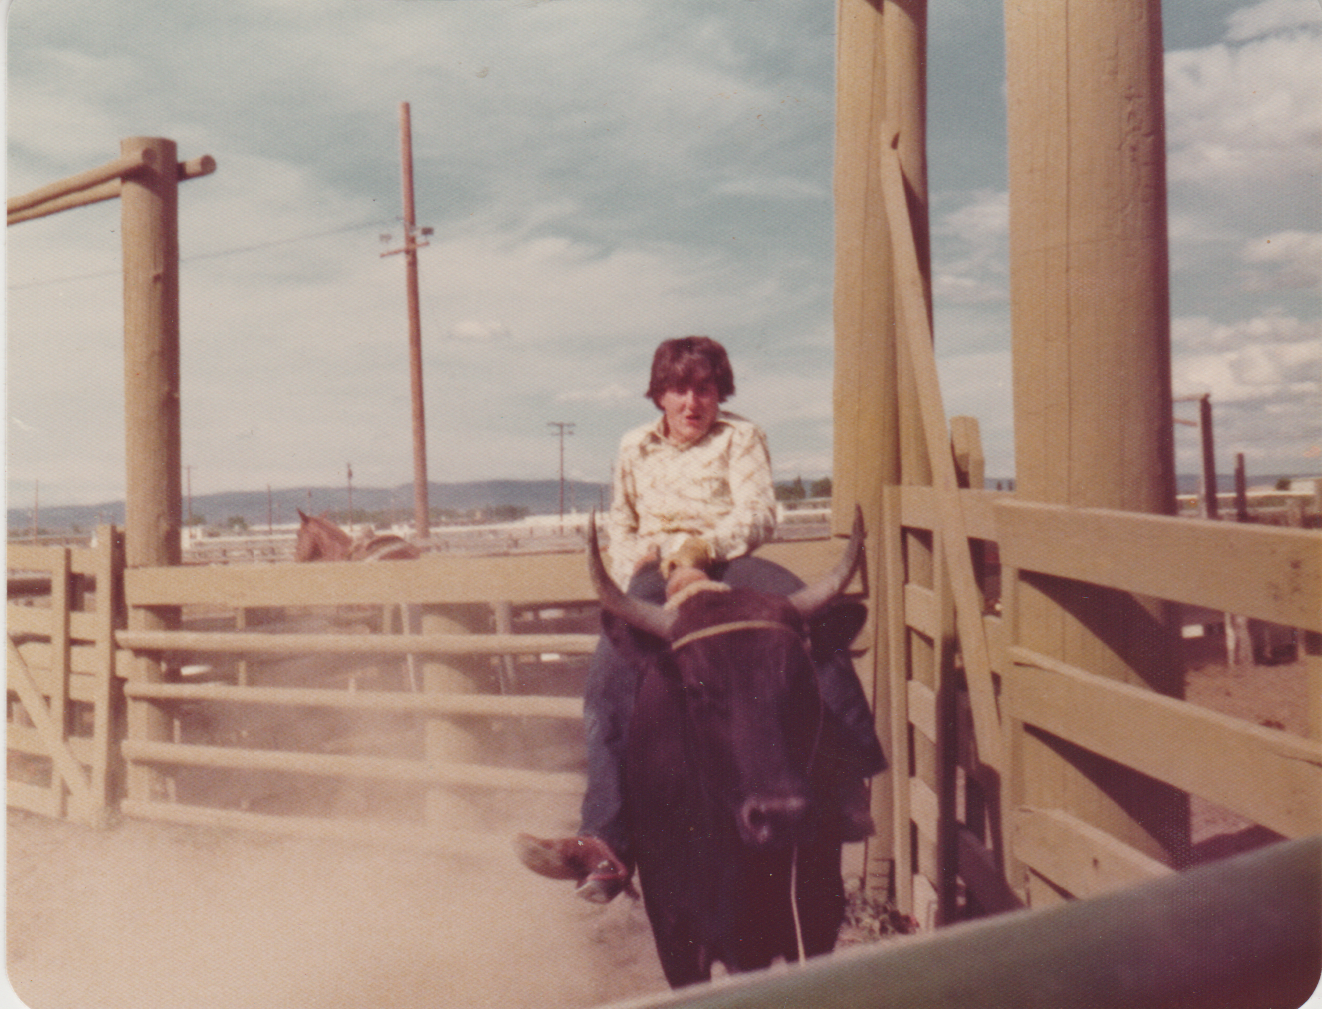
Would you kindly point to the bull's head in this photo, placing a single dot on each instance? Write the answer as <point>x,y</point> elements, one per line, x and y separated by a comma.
<point>660,621</point>
<point>741,660</point>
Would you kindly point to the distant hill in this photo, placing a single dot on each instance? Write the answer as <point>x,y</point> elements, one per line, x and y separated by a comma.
<point>539,497</point>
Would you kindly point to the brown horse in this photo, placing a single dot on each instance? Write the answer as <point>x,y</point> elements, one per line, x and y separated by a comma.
<point>320,539</point>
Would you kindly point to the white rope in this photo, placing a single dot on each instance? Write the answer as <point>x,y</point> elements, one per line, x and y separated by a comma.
<point>794,903</point>
<point>735,625</point>
<point>794,852</point>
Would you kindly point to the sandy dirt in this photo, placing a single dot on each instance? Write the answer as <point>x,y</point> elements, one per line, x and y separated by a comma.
<point>149,916</point>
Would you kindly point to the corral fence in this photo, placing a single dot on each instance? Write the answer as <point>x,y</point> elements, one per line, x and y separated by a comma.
<point>341,699</point>
<point>275,669</point>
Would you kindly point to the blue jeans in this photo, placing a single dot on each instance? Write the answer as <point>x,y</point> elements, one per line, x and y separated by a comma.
<point>613,684</point>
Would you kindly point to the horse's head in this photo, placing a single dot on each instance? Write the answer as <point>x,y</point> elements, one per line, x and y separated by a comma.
<point>320,539</point>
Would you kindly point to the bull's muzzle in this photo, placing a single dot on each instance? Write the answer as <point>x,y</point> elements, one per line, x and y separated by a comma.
<point>771,820</point>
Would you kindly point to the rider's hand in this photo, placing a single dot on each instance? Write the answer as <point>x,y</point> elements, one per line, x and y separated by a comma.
<point>694,552</point>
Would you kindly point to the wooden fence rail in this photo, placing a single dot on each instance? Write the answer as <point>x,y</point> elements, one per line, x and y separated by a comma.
<point>1245,932</point>
<point>257,643</point>
<point>1269,572</point>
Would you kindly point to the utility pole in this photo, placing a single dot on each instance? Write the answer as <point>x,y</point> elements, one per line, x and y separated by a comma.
<point>421,509</point>
<point>348,468</point>
<point>1207,506</point>
<point>565,427</point>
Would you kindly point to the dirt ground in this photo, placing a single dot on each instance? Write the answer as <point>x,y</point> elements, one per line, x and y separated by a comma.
<point>148,916</point>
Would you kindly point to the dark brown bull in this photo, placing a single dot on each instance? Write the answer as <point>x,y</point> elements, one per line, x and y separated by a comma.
<point>737,853</point>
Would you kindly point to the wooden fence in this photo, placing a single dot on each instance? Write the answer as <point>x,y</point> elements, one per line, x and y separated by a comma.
<point>965,695</point>
<point>61,722</point>
<point>465,644</point>
<point>966,842</point>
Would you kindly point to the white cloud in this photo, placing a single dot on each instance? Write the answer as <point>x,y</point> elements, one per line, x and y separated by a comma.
<point>1256,361</point>
<point>1193,335</point>
<point>613,393</point>
<point>1245,115</point>
<point>971,248</point>
<point>1273,16</point>
<point>1289,260</point>
<point>479,330</point>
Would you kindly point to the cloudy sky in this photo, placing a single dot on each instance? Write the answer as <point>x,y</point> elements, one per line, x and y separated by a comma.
<point>600,175</point>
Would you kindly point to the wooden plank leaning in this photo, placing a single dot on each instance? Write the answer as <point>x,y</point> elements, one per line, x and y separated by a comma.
<point>66,764</point>
<point>916,332</point>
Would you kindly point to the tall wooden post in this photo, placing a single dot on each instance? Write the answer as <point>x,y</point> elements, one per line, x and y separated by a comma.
<point>1091,342</point>
<point>149,209</point>
<point>879,89</point>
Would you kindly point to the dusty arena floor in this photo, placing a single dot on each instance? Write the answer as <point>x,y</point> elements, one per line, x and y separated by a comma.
<point>150,916</point>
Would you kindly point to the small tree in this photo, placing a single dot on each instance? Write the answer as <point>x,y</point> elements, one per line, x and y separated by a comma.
<point>792,491</point>
<point>820,488</point>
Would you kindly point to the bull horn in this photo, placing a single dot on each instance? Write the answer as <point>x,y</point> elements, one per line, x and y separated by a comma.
<point>811,598</point>
<point>638,613</point>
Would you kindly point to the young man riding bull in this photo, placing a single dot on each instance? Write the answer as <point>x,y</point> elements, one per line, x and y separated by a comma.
<point>693,498</point>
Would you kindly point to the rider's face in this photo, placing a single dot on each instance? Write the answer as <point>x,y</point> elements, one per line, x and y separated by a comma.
<point>690,411</point>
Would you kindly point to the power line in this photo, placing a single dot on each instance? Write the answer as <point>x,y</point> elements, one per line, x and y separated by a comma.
<point>238,250</point>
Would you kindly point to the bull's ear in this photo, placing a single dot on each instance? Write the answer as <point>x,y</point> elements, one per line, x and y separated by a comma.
<point>836,627</point>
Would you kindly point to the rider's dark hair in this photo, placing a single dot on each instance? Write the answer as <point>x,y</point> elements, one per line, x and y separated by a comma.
<point>687,361</point>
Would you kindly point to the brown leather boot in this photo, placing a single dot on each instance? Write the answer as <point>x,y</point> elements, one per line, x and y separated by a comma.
<point>587,860</point>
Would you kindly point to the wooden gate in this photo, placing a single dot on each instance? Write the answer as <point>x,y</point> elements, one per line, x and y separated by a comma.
<point>64,607</point>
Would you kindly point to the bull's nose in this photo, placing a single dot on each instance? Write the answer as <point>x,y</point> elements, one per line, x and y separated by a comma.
<point>771,819</point>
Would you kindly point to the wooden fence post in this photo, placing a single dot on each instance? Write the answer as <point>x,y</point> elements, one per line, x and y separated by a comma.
<point>866,455</point>
<point>446,739</point>
<point>108,709</point>
<point>1091,344</point>
<point>149,209</point>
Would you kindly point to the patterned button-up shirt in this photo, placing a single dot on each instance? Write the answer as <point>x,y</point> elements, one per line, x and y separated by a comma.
<point>718,487</point>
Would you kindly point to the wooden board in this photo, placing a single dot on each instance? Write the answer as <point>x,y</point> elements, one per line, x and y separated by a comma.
<point>1076,856</point>
<point>521,579</point>
<point>1270,572</point>
<point>1272,777</point>
<point>337,765</point>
